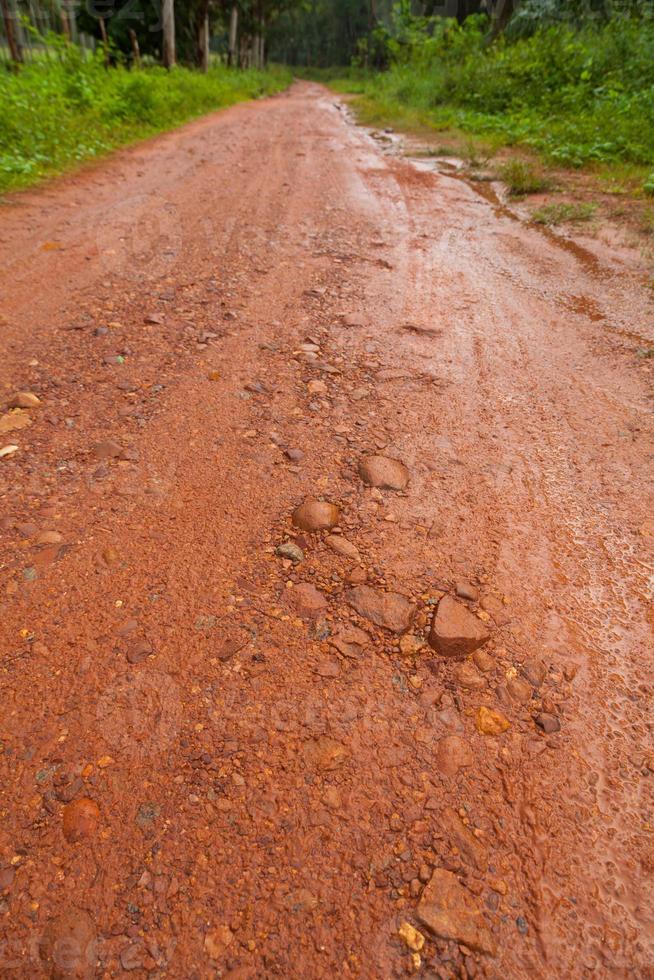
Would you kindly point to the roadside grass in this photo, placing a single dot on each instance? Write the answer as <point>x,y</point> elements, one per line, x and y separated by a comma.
<point>646,222</point>
<point>522,178</point>
<point>57,112</point>
<point>563,212</point>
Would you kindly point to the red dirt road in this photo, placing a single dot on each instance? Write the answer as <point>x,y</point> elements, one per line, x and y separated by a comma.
<point>272,797</point>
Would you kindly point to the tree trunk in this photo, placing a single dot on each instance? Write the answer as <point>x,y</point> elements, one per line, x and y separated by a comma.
<point>203,43</point>
<point>15,50</point>
<point>65,24</point>
<point>262,41</point>
<point>502,13</point>
<point>233,37</point>
<point>72,20</point>
<point>168,18</point>
<point>105,41</point>
<point>136,51</point>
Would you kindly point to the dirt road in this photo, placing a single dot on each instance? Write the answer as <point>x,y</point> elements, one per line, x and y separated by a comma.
<point>219,760</point>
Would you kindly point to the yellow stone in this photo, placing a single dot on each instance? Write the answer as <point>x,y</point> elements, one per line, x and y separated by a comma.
<point>413,939</point>
<point>491,722</point>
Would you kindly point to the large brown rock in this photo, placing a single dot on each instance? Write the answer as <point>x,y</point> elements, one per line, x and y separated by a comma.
<point>389,610</point>
<point>384,472</point>
<point>68,947</point>
<point>449,911</point>
<point>455,631</point>
<point>316,515</point>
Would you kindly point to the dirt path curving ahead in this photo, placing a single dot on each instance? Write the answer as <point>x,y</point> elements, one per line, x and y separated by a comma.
<point>223,761</point>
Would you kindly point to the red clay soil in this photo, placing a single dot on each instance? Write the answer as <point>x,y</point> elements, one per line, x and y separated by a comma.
<point>219,760</point>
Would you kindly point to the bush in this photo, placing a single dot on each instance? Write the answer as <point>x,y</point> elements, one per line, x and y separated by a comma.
<point>562,212</point>
<point>575,94</point>
<point>521,178</point>
<point>65,108</point>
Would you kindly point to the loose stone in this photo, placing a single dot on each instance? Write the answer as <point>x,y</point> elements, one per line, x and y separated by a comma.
<point>316,515</point>
<point>449,911</point>
<point>491,722</point>
<point>389,610</point>
<point>384,473</point>
<point>455,631</point>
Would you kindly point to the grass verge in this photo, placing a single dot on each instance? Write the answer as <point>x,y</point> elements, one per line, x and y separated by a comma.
<point>62,110</point>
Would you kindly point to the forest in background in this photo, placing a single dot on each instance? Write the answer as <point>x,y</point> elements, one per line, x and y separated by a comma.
<point>571,79</point>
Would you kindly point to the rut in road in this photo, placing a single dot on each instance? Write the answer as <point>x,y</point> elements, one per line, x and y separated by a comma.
<point>220,324</point>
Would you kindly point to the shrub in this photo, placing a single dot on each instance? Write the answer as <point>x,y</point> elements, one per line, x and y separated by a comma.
<point>576,94</point>
<point>562,212</point>
<point>521,178</point>
<point>60,110</point>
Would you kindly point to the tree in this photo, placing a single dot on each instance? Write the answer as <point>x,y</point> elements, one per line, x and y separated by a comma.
<point>168,53</point>
<point>13,39</point>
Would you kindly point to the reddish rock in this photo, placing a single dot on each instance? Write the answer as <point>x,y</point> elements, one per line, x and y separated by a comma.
<point>49,537</point>
<point>547,723</point>
<point>483,661</point>
<point>455,632</point>
<point>384,472</point>
<point>465,590</point>
<point>324,753</point>
<point>389,610</point>
<point>107,450</point>
<point>80,819</point>
<point>68,947</point>
<point>467,675</point>
<point>6,877</point>
<point>350,641</point>
<point>24,399</point>
<point>449,911</point>
<point>353,320</point>
<point>535,671</point>
<point>139,651</point>
<point>342,546</point>
<point>356,575</point>
<point>519,690</point>
<point>316,515</point>
<point>494,606</point>
<point>452,754</point>
<point>461,837</point>
<point>307,600</point>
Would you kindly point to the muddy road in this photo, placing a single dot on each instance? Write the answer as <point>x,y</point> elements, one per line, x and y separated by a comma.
<point>415,740</point>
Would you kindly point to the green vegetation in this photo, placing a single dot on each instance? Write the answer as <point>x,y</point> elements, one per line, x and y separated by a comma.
<point>564,212</point>
<point>58,111</point>
<point>577,93</point>
<point>646,222</point>
<point>521,178</point>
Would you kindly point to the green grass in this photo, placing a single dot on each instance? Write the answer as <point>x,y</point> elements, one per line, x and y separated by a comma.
<point>577,97</point>
<point>56,113</point>
<point>522,178</point>
<point>563,212</point>
<point>646,222</point>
